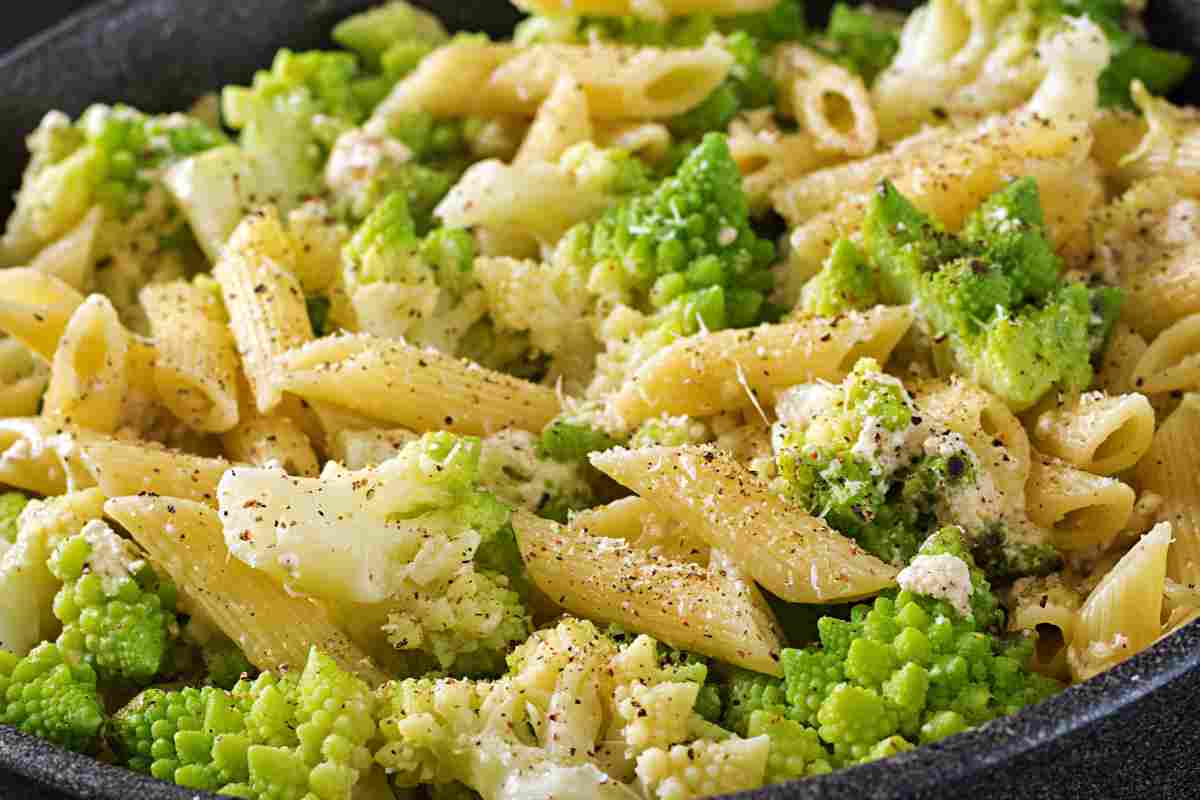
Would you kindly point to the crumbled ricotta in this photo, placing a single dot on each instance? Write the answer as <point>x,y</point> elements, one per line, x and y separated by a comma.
<point>943,576</point>
<point>358,155</point>
<point>112,557</point>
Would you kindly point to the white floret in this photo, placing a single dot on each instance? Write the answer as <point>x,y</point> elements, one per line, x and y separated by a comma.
<point>944,577</point>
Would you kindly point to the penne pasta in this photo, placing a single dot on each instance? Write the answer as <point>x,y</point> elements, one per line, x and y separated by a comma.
<point>1046,608</point>
<point>89,376</point>
<point>272,439</point>
<point>1123,614</point>
<point>1172,361</point>
<point>35,308</point>
<point>562,120</point>
<point>713,610</point>
<point>1116,373</point>
<point>71,258</point>
<point>795,556</point>
<point>196,369</point>
<point>266,310</point>
<point>123,468</point>
<point>1080,509</point>
<point>1098,433</point>
<point>359,449</point>
<point>832,103</point>
<point>733,369</point>
<point>423,390</point>
<point>42,456</point>
<point>1171,470</point>
<point>275,628</point>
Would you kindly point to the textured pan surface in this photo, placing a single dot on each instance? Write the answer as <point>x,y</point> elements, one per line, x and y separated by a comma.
<point>1132,733</point>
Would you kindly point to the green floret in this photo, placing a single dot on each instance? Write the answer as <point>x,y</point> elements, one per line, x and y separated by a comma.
<point>881,491</point>
<point>515,467</point>
<point>11,506</point>
<point>112,156</point>
<point>690,236</point>
<point>116,614</point>
<point>992,298</point>
<point>847,282</point>
<point>796,750</point>
<point>906,666</point>
<point>862,41</point>
<point>985,608</point>
<point>745,693</point>
<point>296,737</point>
<point>444,301</point>
<point>225,664</point>
<point>668,431</point>
<point>376,33</point>
<point>52,697</point>
<point>571,435</point>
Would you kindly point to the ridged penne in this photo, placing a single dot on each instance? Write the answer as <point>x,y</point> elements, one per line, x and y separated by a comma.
<point>424,390</point>
<point>267,313</point>
<point>262,439</point>
<point>1125,349</point>
<point>275,628</point>
<point>89,376</point>
<point>1098,433</point>
<point>1172,361</point>
<point>1045,608</point>
<point>1171,146</point>
<point>637,521</point>
<point>795,556</point>
<point>35,308</point>
<point>1123,614</point>
<point>620,82</point>
<point>707,610</point>
<point>42,456</point>
<point>196,370</point>
<point>1080,509</point>
<point>733,369</point>
<point>123,468</point>
<point>1171,470</point>
<point>647,140</point>
<point>562,120</point>
<point>831,102</point>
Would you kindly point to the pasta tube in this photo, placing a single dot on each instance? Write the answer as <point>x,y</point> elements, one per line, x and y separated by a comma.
<point>1097,433</point>
<point>795,556</point>
<point>424,390</point>
<point>712,611</point>
<point>275,628</point>
<point>733,369</point>
<point>142,468</point>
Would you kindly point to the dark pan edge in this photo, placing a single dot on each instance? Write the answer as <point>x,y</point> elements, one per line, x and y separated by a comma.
<point>1161,670</point>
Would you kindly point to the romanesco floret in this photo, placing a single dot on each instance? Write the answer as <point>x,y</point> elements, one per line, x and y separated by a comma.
<point>52,697</point>
<point>846,283</point>
<point>406,286</point>
<point>390,29</point>
<point>414,538</point>
<point>796,750</point>
<point>688,239</point>
<point>272,739</point>
<point>513,467</point>
<point>911,665</point>
<point>573,434</point>
<point>703,768</point>
<point>116,614</point>
<point>669,431</point>
<point>863,40</point>
<point>748,86</point>
<point>852,455</point>
<point>743,693</point>
<point>11,506</point>
<point>991,298</point>
<point>224,662</point>
<point>1133,58</point>
<point>110,157</point>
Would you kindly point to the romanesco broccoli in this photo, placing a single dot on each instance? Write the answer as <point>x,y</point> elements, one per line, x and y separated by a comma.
<point>686,240</point>
<point>116,614</point>
<point>50,696</point>
<point>863,40</point>
<point>847,282</point>
<point>513,466</point>
<point>111,157</point>
<point>417,540</point>
<point>389,29</point>
<point>570,436</point>
<point>911,665</point>
<point>294,737</point>
<point>993,296</point>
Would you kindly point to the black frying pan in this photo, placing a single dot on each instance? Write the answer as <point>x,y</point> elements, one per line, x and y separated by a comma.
<point>1133,732</point>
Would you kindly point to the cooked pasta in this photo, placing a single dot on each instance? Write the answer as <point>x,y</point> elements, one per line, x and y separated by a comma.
<point>674,397</point>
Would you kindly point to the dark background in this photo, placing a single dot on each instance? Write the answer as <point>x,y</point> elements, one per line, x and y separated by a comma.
<point>35,15</point>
